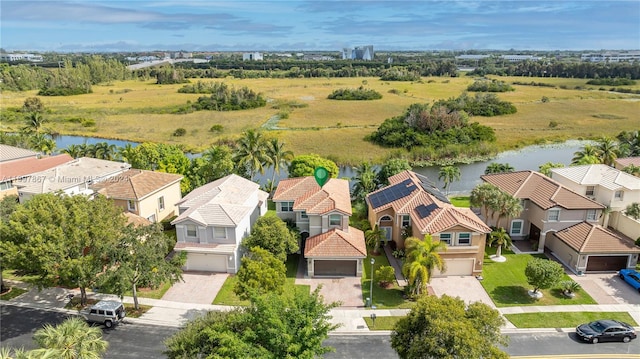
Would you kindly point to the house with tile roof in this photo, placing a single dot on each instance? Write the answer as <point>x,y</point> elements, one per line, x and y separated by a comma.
<point>214,219</point>
<point>12,170</point>
<point>11,153</point>
<point>621,163</point>
<point>330,246</point>
<point>411,202</point>
<point>589,247</point>
<point>148,194</point>
<point>548,206</point>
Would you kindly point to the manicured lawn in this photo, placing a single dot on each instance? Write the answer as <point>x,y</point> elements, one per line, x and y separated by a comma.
<point>564,319</point>
<point>12,293</point>
<point>391,297</point>
<point>11,274</point>
<point>382,323</point>
<point>461,201</point>
<point>507,285</point>
<point>226,296</point>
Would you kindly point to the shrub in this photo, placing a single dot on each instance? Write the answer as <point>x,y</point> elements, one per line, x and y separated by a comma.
<point>490,86</point>
<point>544,99</point>
<point>216,128</point>
<point>553,124</point>
<point>179,132</point>
<point>355,94</point>
<point>385,276</point>
<point>569,286</point>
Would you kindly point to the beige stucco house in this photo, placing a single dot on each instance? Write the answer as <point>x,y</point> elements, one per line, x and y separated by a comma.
<point>330,246</point>
<point>412,202</point>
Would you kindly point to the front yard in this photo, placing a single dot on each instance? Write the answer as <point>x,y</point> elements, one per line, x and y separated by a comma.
<point>392,297</point>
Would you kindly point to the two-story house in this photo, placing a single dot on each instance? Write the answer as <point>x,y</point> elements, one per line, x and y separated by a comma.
<point>15,169</point>
<point>148,194</point>
<point>411,205</point>
<point>214,219</point>
<point>330,246</point>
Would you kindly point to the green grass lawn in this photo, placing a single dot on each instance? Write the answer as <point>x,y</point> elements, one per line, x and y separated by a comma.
<point>12,293</point>
<point>11,274</point>
<point>391,297</point>
<point>564,319</point>
<point>133,313</point>
<point>507,285</point>
<point>461,201</point>
<point>156,293</point>
<point>382,323</point>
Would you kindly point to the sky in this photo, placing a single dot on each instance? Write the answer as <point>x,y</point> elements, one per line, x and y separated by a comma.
<point>326,25</point>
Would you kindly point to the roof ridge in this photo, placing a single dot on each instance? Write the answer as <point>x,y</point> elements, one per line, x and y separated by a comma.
<point>589,234</point>
<point>522,185</point>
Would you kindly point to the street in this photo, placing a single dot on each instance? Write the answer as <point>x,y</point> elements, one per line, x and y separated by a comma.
<point>129,340</point>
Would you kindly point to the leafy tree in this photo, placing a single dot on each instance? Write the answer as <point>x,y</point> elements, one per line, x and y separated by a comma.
<point>421,257</point>
<point>61,239</point>
<point>373,237</point>
<point>139,259</point>
<point>260,272</point>
<point>272,234</point>
<point>543,273</point>
<point>251,152</point>
<point>498,168</point>
<point>72,339</point>
<point>33,105</point>
<point>216,162</point>
<point>633,210</point>
<point>355,94</point>
<point>482,195</point>
<point>385,275</point>
<point>501,238</point>
<point>545,168</point>
<point>448,174</point>
<point>278,157</point>
<point>392,167</point>
<point>305,165</point>
<point>446,327</point>
<point>273,326</point>
<point>365,181</point>
<point>162,158</point>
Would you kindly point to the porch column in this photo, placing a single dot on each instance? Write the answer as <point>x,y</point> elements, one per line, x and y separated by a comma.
<point>541,239</point>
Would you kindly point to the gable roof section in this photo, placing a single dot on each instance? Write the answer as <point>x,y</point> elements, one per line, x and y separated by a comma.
<point>599,174</point>
<point>223,202</point>
<point>10,153</point>
<point>11,170</point>
<point>539,189</point>
<point>413,194</point>
<point>307,195</point>
<point>588,238</point>
<point>626,161</point>
<point>135,184</point>
<point>336,243</point>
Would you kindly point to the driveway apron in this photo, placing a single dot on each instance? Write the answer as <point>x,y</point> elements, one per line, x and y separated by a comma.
<point>467,288</point>
<point>196,287</point>
<point>346,290</point>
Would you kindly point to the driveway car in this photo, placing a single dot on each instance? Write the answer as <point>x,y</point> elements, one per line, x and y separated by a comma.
<point>605,330</point>
<point>107,312</point>
<point>632,277</point>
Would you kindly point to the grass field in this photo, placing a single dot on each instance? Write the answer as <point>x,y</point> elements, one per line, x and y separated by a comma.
<point>141,111</point>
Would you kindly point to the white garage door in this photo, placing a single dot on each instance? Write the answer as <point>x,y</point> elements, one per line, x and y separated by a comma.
<point>456,267</point>
<point>206,262</point>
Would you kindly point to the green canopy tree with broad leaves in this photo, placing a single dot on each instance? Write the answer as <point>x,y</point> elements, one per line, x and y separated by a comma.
<point>260,272</point>
<point>271,233</point>
<point>305,165</point>
<point>543,273</point>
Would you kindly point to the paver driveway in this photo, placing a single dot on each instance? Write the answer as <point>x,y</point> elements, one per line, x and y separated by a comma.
<point>197,287</point>
<point>347,290</point>
<point>468,288</point>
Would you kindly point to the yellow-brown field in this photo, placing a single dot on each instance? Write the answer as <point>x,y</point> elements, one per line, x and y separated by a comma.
<point>132,110</point>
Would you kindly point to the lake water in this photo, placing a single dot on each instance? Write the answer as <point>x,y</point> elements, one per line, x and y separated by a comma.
<point>527,158</point>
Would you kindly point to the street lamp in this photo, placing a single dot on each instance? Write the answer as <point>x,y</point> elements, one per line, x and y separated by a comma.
<point>371,287</point>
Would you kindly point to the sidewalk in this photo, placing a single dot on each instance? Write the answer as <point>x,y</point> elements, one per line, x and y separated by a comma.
<point>351,321</point>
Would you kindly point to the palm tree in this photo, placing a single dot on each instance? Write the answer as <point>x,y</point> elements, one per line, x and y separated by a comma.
<point>508,206</point>
<point>587,156</point>
<point>278,157</point>
<point>632,170</point>
<point>34,122</point>
<point>481,197</point>
<point>607,150</point>
<point>126,153</point>
<point>501,239</point>
<point>449,174</point>
<point>373,238</point>
<point>421,257</point>
<point>251,152</point>
<point>41,143</point>
<point>365,180</point>
<point>72,339</point>
<point>498,168</point>
<point>104,151</point>
<point>629,143</point>
<point>73,150</point>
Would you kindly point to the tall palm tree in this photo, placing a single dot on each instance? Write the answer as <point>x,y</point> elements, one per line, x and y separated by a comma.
<point>632,170</point>
<point>73,150</point>
<point>421,257</point>
<point>251,152</point>
<point>278,157</point>
<point>629,143</point>
<point>498,168</point>
<point>448,174</point>
<point>481,197</point>
<point>508,206</point>
<point>126,152</point>
<point>35,122</point>
<point>373,238</point>
<point>501,239</point>
<point>587,156</point>
<point>42,143</point>
<point>72,339</point>
<point>607,150</point>
<point>365,180</point>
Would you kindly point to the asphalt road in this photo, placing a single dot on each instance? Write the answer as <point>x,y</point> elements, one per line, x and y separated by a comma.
<point>128,340</point>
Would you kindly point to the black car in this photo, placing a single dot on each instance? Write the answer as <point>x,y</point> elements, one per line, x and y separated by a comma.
<point>605,331</point>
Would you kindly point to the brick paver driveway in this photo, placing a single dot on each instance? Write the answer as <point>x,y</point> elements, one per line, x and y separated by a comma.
<point>347,290</point>
<point>468,288</point>
<point>198,287</point>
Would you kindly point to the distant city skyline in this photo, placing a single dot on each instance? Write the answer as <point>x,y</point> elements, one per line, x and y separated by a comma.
<point>166,25</point>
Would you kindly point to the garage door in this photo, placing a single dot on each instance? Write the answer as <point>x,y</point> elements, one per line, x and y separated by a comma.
<point>334,268</point>
<point>206,262</point>
<point>456,267</point>
<point>606,263</point>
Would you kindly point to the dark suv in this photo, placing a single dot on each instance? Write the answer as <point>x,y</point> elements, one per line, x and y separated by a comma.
<point>107,312</point>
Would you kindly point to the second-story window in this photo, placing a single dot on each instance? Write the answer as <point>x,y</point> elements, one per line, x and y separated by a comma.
<point>446,238</point>
<point>286,206</point>
<point>619,195</point>
<point>591,215</point>
<point>161,203</point>
<point>303,215</point>
<point>191,230</point>
<point>554,215</point>
<point>131,205</point>
<point>219,232</point>
<point>464,239</point>
<point>335,220</point>
<point>591,190</point>
<point>405,221</point>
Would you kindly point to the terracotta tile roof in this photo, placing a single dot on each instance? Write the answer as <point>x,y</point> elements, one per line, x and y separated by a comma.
<point>135,184</point>
<point>588,238</point>
<point>601,175</point>
<point>626,161</point>
<point>540,189</point>
<point>26,166</point>
<point>428,213</point>
<point>308,196</point>
<point>336,243</point>
<point>10,153</point>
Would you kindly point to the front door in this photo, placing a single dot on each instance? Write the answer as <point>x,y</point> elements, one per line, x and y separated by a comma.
<point>387,233</point>
<point>534,233</point>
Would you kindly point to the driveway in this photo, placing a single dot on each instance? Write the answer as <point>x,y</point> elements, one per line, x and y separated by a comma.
<point>468,288</point>
<point>347,290</point>
<point>196,287</point>
<point>607,288</point>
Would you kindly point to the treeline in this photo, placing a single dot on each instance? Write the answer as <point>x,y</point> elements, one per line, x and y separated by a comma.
<point>583,70</point>
<point>223,97</point>
<point>485,85</point>
<point>487,104</point>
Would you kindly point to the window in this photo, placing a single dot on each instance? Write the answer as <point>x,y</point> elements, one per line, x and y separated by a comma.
<point>191,230</point>
<point>618,195</point>
<point>554,215</point>
<point>131,205</point>
<point>152,218</point>
<point>303,215</point>
<point>516,227</point>
<point>405,221</point>
<point>591,215</point>
<point>161,203</point>
<point>591,190</point>
<point>219,232</point>
<point>446,238</point>
<point>464,239</point>
<point>335,220</point>
<point>5,186</point>
<point>286,207</point>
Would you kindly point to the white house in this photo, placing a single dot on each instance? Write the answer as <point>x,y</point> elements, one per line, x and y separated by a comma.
<point>214,219</point>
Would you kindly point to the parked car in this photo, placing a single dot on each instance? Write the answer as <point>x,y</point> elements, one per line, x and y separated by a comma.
<point>632,277</point>
<point>107,312</point>
<point>605,330</point>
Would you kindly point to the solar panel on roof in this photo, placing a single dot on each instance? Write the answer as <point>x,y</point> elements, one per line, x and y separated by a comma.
<point>425,179</point>
<point>424,211</point>
<point>434,191</point>
<point>392,193</point>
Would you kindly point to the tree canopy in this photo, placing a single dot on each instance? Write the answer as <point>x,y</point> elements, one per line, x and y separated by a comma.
<point>260,272</point>
<point>272,234</point>
<point>305,165</point>
<point>543,273</point>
